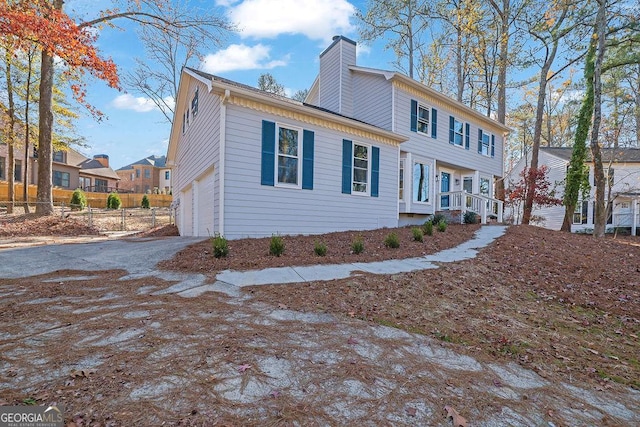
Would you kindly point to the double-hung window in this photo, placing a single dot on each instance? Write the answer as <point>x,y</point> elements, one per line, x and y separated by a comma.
<point>401,181</point>
<point>484,143</point>
<point>457,132</point>
<point>61,179</point>
<point>288,156</point>
<point>194,104</point>
<point>360,169</point>
<point>420,182</point>
<point>580,214</point>
<point>423,119</point>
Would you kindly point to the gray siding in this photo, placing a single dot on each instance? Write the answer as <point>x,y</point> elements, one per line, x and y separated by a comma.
<point>252,209</point>
<point>199,146</point>
<point>439,148</point>
<point>373,99</point>
<point>329,81</point>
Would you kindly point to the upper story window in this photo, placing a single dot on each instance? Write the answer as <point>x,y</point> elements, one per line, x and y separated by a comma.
<point>485,143</point>
<point>289,154</point>
<point>147,173</point>
<point>166,175</point>
<point>421,117</point>
<point>58,156</point>
<point>458,132</point>
<point>194,104</point>
<point>61,179</point>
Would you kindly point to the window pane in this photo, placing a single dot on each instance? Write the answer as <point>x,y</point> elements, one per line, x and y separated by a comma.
<point>484,186</point>
<point>457,139</point>
<point>360,152</point>
<point>360,188</point>
<point>288,170</point>
<point>288,142</point>
<point>360,175</point>
<point>360,163</point>
<point>457,127</point>
<point>423,127</point>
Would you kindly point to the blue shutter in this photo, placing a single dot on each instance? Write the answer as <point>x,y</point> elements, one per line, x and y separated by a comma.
<point>480,141</point>
<point>375,170</point>
<point>307,160</point>
<point>414,115</point>
<point>452,123</point>
<point>268,152</point>
<point>434,123</point>
<point>467,132</point>
<point>493,145</point>
<point>347,159</point>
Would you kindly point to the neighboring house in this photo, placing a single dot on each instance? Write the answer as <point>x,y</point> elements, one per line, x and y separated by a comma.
<point>368,149</point>
<point>622,169</point>
<point>70,170</point>
<point>146,176</point>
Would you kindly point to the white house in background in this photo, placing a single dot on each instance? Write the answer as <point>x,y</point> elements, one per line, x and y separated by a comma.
<point>621,166</point>
<point>368,149</point>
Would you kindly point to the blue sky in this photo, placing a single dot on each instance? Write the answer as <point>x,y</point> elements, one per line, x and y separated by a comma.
<point>281,37</point>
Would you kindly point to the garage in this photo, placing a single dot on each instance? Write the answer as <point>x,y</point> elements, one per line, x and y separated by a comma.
<point>204,205</point>
<point>186,212</point>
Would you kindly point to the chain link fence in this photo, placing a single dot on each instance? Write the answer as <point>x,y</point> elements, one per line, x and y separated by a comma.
<point>126,219</point>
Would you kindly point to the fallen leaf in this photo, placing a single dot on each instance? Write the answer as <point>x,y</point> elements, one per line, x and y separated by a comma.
<point>282,306</point>
<point>352,341</point>
<point>411,411</point>
<point>458,420</point>
<point>275,394</point>
<point>243,368</point>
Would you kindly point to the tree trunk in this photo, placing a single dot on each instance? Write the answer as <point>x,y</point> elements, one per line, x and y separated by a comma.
<point>10,135</point>
<point>637,106</point>
<point>537,134</point>
<point>27,136</point>
<point>599,223</point>
<point>502,78</point>
<point>576,173</point>
<point>44,201</point>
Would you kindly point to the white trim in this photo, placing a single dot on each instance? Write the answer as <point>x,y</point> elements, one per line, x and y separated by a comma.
<point>393,108</point>
<point>299,157</point>
<point>429,164</point>
<point>353,175</point>
<point>429,118</point>
<point>222,162</point>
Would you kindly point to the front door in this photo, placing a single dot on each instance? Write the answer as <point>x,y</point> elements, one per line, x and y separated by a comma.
<point>445,178</point>
<point>467,187</point>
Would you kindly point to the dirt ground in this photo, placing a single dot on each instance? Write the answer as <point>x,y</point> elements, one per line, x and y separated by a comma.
<point>541,328</point>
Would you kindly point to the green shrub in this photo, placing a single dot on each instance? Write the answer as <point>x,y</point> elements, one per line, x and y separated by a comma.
<point>470,217</point>
<point>392,241</point>
<point>320,249</point>
<point>220,246</point>
<point>438,217</point>
<point>357,247</point>
<point>427,228</point>
<point>145,202</point>
<point>78,200</point>
<point>418,234</point>
<point>442,225</point>
<point>113,201</point>
<point>276,247</point>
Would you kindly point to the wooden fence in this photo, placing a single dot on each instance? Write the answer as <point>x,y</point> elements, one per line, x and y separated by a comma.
<point>94,200</point>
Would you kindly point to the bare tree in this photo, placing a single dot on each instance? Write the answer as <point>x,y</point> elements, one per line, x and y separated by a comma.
<point>269,84</point>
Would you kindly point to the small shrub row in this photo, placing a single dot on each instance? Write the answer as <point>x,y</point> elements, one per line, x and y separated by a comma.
<point>277,245</point>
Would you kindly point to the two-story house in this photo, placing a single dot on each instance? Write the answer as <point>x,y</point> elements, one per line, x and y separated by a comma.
<point>622,173</point>
<point>70,170</point>
<point>368,149</point>
<point>146,176</point>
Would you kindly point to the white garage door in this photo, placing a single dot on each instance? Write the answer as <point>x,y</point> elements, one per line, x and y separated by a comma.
<point>205,205</point>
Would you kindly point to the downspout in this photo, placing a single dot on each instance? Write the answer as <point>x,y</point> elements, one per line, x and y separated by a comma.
<point>221,174</point>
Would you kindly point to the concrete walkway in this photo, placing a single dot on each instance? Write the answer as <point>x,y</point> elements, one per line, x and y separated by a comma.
<point>229,281</point>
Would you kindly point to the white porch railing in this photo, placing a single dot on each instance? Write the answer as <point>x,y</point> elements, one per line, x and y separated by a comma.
<point>462,201</point>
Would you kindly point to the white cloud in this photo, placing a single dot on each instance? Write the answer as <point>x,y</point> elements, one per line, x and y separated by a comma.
<point>241,57</point>
<point>316,19</point>
<point>138,104</point>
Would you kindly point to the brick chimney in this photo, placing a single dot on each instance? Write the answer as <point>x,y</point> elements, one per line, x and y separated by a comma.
<point>103,159</point>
